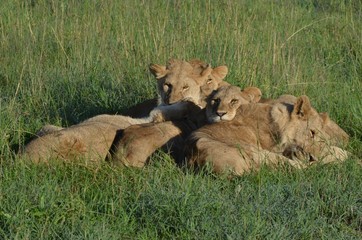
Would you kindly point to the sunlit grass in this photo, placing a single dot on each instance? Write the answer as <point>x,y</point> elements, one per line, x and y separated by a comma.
<point>64,61</point>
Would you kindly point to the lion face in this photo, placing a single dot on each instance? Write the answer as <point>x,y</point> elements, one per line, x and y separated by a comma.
<point>305,127</point>
<point>186,81</point>
<point>222,105</point>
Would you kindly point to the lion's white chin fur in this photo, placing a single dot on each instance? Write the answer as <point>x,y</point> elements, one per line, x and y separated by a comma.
<point>213,118</point>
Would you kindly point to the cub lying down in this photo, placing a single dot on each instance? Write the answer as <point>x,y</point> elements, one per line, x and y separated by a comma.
<point>184,84</point>
<point>279,133</point>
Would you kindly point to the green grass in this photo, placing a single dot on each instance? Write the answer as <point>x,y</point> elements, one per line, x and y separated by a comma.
<point>64,61</point>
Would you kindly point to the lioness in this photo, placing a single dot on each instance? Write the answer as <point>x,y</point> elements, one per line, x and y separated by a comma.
<point>93,137</point>
<point>262,133</point>
<point>135,144</point>
<point>180,83</point>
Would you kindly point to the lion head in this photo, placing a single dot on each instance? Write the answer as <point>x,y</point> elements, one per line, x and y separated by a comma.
<point>186,80</point>
<point>223,103</point>
<point>213,81</point>
<point>301,125</point>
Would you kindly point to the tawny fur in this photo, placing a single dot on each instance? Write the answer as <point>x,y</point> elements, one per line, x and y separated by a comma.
<point>260,134</point>
<point>148,138</point>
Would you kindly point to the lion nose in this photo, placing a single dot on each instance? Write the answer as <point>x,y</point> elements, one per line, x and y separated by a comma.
<point>220,114</point>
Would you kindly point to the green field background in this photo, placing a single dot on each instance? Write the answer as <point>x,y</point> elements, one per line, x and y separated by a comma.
<point>62,62</point>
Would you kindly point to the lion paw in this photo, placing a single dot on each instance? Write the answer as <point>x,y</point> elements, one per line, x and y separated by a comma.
<point>296,152</point>
<point>157,116</point>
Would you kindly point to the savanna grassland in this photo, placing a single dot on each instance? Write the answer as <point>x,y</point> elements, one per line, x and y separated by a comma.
<point>62,62</point>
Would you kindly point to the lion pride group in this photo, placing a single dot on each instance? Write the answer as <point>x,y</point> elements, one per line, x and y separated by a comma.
<point>200,119</point>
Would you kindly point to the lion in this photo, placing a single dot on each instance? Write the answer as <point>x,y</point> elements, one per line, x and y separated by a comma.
<point>181,82</point>
<point>126,149</point>
<point>277,133</point>
<point>92,138</point>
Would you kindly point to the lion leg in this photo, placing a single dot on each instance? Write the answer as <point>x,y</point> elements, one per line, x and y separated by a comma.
<point>265,157</point>
<point>220,156</point>
<point>91,141</point>
<point>133,145</point>
<point>331,154</point>
<point>172,112</point>
<point>326,155</point>
<point>119,121</point>
<point>56,145</point>
<point>237,160</point>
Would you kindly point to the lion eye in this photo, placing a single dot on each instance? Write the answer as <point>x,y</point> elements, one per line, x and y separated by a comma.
<point>312,133</point>
<point>185,87</point>
<point>209,81</point>
<point>234,101</point>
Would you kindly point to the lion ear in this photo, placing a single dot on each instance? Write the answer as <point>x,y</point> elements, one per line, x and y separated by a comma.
<point>198,63</point>
<point>302,107</point>
<point>325,117</point>
<point>159,71</point>
<point>207,70</point>
<point>253,94</point>
<point>220,72</point>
